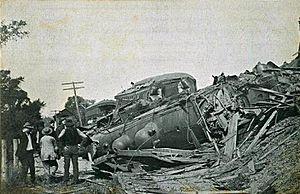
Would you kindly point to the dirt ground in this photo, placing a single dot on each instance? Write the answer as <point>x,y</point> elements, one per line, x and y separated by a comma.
<point>96,185</point>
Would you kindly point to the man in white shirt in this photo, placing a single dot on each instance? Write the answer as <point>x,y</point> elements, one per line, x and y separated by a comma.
<point>26,146</point>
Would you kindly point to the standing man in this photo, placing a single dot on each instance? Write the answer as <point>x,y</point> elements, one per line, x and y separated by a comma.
<point>26,146</point>
<point>49,153</point>
<point>70,138</point>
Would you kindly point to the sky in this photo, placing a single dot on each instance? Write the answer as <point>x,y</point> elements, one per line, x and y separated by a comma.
<point>108,44</point>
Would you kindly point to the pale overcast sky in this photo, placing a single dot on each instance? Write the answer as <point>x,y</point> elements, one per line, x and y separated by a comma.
<point>108,44</point>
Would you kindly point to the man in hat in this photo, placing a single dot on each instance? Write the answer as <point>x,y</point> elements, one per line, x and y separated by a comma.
<point>49,152</point>
<point>70,138</point>
<point>26,146</point>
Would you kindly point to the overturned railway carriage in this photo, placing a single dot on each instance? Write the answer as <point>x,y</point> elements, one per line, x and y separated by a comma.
<point>151,113</point>
<point>164,112</point>
<point>160,121</point>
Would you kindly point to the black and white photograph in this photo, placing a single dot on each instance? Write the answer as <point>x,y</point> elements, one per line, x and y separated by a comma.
<point>150,96</point>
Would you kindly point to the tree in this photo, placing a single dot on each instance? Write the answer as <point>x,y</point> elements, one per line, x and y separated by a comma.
<point>16,109</point>
<point>82,105</point>
<point>16,106</point>
<point>12,31</point>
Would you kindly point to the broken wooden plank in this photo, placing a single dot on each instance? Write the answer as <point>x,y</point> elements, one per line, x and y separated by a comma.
<point>264,128</point>
<point>276,93</point>
<point>165,171</point>
<point>250,125</point>
<point>265,103</point>
<point>224,179</point>
<point>227,138</point>
<point>186,169</point>
<point>172,151</point>
<point>278,101</point>
<point>246,139</point>
<point>230,145</point>
<point>243,121</point>
<point>187,160</point>
<point>92,181</point>
<point>291,68</point>
<point>140,153</point>
<point>276,131</point>
<point>261,132</point>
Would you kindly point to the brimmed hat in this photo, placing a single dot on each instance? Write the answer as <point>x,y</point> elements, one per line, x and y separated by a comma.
<point>47,131</point>
<point>27,125</point>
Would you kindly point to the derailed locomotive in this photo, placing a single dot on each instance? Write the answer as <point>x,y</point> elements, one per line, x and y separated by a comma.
<point>166,115</point>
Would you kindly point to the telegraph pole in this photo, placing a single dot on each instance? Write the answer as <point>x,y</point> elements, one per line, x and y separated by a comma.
<point>74,88</point>
<point>299,41</point>
<point>298,52</point>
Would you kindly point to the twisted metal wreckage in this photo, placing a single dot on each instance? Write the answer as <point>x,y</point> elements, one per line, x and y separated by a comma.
<point>165,121</point>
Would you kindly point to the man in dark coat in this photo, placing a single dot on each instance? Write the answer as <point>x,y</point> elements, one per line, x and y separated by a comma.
<point>25,149</point>
<point>70,138</point>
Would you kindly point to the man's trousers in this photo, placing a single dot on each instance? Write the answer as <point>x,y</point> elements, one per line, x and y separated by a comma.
<point>71,153</point>
<point>27,162</point>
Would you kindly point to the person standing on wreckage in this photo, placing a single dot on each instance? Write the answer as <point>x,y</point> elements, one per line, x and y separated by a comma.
<point>70,137</point>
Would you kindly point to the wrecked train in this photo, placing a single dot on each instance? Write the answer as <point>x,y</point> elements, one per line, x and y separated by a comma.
<point>166,115</point>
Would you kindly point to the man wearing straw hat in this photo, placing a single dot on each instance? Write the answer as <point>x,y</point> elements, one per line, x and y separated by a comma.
<point>24,152</point>
<point>49,152</point>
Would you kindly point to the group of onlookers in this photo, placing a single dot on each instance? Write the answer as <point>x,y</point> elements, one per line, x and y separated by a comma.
<point>68,137</point>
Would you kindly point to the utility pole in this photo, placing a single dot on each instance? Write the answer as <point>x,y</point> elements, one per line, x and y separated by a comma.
<point>74,88</point>
<point>299,41</point>
<point>298,52</point>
